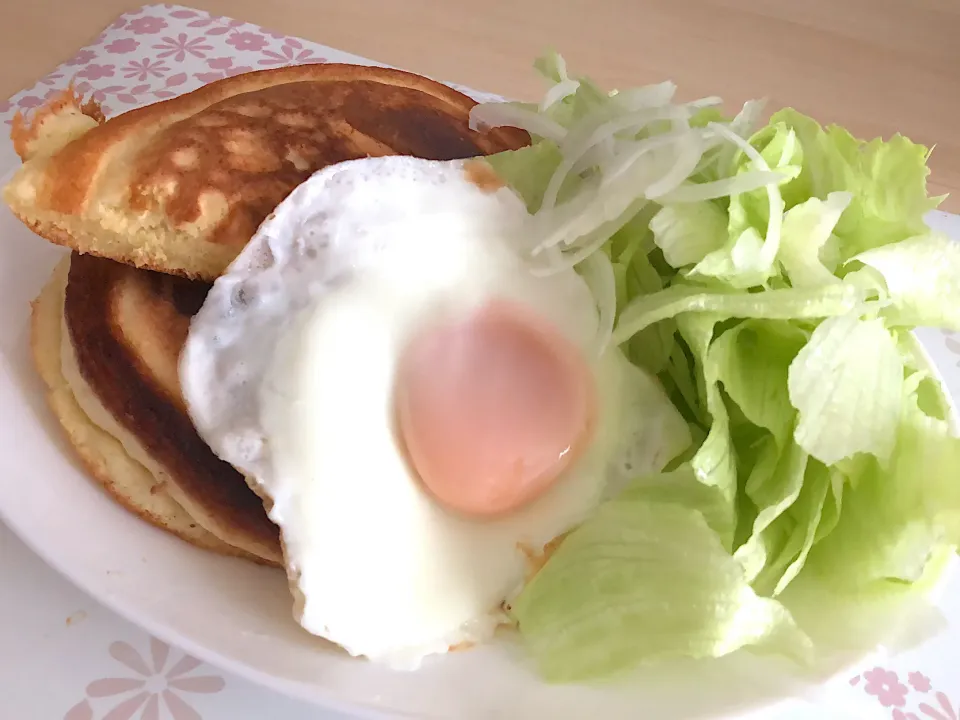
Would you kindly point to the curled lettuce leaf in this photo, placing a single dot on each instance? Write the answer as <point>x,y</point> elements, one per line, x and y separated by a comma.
<point>653,581</point>
<point>922,277</point>
<point>894,521</point>
<point>752,361</point>
<point>807,228</point>
<point>886,181</point>
<point>847,385</point>
<point>687,232</point>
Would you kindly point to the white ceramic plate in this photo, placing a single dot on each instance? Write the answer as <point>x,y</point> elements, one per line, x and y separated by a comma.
<point>237,615</point>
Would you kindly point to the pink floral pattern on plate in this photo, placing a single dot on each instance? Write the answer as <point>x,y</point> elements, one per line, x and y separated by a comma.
<point>160,680</point>
<point>158,51</point>
<point>916,699</point>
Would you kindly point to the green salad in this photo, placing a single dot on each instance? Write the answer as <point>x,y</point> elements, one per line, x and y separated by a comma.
<point>769,275</point>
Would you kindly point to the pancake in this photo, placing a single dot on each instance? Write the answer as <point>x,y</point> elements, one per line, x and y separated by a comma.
<point>180,186</point>
<point>122,331</point>
<point>104,457</point>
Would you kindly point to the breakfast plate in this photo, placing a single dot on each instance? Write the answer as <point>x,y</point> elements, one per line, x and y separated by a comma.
<point>237,615</point>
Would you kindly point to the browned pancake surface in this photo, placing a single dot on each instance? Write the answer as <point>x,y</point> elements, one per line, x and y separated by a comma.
<point>181,186</point>
<point>255,148</point>
<point>127,327</point>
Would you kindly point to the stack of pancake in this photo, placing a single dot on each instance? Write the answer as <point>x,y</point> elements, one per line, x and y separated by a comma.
<point>155,204</point>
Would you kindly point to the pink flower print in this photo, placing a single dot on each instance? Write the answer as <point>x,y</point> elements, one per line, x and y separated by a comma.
<point>239,70</point>
<point>122,46</point>
<point>119,22</point>
<point>919,682</point>
<point>29,101</point>
<point>181,47</point>
<point>82,58</point>
<point>947,708</point>
<point>886,686</point>
<point>145,69</point>
<point>146,25</point>
<point>156,683</point>
<point>222,25</point>
<point>222,67</point>
<point>93,71</point>
<point>6,106</point>
<point>52,79</point>
<point>247,41</point>
<point>291,52</point>
<point>55,93</point>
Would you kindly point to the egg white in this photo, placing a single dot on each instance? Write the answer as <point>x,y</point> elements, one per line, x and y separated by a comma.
<point>288,373</point>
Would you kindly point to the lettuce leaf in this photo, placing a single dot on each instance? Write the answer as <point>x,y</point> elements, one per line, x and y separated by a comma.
<point>807,228</point>
<point>847,385</point>
<point>653,581</point>
<point>886,179</point>
<point>922,275</point>
<point>752,362</point>
<point>894,521</point>
<point>528,171</point>
<point>774,486</point>
<point>688,232</point>
<point>785,304</point>
<point>805,516</point>
<point>714,463</point>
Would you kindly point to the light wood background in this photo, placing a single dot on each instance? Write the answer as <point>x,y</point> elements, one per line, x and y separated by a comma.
<point>876,66</point>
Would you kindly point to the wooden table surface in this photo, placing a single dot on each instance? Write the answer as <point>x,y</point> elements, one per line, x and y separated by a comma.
<point>876,66</point>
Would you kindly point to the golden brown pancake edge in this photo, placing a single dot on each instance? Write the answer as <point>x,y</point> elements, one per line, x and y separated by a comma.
<point>180,186</point>
<point>126,328</point>
<point>102,455</point>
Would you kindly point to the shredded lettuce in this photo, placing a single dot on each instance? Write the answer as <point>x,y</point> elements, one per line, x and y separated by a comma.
<point>766,279</point>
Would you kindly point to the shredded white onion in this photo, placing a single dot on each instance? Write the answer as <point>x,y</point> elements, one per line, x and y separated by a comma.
<point>645,97</point>
<point>772,243</point>
<point>589,243</point>
<point>597,272</point>
<point>559,92</point>
<point>748,117</point>
<point>626,160</point>
<point>742,125</point>
<point>709,101</point>
<point>501,114</point>
<point>582,139</point>
<point>560,65</point>
<point>744,182</point>
<point>689,150</point>
<point>620,173</point>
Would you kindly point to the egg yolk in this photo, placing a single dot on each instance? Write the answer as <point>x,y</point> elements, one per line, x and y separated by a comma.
<point>492,408</point>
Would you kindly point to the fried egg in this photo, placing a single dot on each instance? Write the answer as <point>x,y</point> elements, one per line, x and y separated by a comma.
<point>293,369</point>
